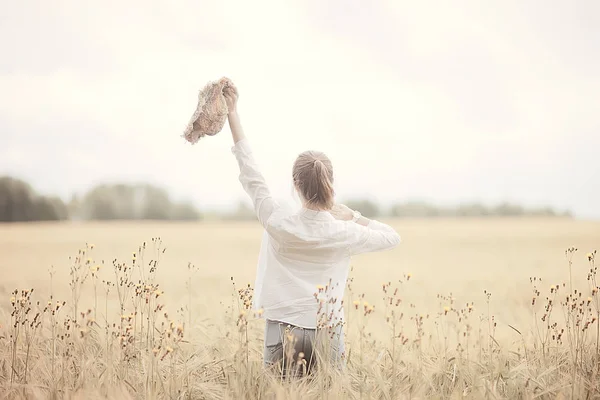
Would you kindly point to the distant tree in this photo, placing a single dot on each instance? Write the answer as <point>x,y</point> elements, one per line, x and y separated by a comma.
<point>16,200</point>
<point>51,209</point>
<point>133,202</point>
<point>472,210</point>
<point>366,207</point>
<point>20,203</point>
<point>157,204</point>
<point>507,209</point>
<point>417,209</point>
<point>185,212</point>
<point>243,212</point>
<point>105,202</point>
<point>544,212</point>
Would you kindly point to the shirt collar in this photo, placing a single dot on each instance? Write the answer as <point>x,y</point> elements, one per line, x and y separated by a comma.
<point>316,215</point>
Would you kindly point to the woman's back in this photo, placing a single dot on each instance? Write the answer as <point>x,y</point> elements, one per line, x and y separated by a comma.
<point>305,258</point>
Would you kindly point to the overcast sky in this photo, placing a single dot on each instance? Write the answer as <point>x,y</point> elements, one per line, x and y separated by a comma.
<point>473,101</point>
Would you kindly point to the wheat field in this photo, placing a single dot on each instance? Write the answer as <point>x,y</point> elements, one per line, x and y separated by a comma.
<point>463,308</point>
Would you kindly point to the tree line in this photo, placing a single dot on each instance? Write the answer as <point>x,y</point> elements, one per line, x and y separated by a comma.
<point>422,209</point>
<point>19,203</point>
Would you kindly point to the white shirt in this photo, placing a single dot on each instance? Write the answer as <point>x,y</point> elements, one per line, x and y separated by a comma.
<point>303,251</point>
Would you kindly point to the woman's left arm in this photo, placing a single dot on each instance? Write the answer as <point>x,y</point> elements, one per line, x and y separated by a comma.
<point>250,177</point>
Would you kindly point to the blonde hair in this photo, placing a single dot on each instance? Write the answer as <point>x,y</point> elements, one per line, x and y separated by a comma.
<point>313,178</point>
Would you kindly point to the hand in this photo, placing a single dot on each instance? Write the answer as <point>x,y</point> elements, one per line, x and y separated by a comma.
<point>231,97</point>
<point>341,212</point>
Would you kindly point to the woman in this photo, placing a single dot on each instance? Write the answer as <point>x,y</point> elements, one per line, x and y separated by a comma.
<point>305,256</point>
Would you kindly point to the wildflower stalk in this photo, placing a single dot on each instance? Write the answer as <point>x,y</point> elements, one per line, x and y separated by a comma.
<point>15,326</point>
<point>51,271</point>
<point>490,322</point>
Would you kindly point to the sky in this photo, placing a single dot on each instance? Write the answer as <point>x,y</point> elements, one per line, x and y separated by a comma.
<point>448,102</point>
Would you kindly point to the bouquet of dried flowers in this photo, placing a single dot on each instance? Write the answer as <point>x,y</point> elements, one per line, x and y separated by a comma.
<point>211,112</point>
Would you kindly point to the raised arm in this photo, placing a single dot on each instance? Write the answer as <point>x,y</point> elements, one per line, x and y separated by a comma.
<point>231,97</point>
<point>250,176</point>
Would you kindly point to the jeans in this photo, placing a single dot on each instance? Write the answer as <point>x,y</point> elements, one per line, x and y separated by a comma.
<point>296,351</point>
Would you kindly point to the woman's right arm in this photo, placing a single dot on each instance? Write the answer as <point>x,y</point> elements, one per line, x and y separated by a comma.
<point>250,176</point>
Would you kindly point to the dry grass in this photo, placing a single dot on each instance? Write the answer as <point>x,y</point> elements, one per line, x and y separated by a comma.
<point>463,309</point>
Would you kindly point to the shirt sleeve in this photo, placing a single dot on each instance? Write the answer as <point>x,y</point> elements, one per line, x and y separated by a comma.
<point>253,182</point>
<point>376,236</point>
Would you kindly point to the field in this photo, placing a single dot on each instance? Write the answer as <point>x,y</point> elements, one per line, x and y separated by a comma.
<point>462,316</point>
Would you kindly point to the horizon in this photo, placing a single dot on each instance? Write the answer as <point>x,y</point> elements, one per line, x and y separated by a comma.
<point>292,202</point>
